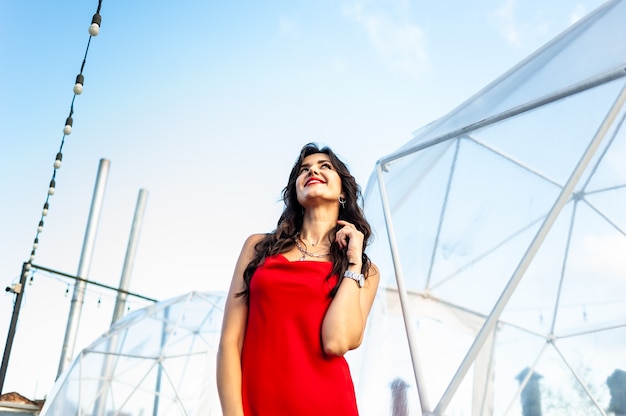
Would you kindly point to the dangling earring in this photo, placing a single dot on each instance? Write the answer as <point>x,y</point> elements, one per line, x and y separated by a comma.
<point>342,201</point>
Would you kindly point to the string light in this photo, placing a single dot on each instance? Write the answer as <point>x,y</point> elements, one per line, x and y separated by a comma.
<point>68,125</point>
<point>78,87</point>
<point>58,160</point>
<point>94,30</point>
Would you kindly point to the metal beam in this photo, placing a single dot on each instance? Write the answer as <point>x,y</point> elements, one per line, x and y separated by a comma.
<point>543,231</point>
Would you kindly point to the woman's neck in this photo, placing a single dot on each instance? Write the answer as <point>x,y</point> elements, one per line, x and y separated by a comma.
<point>317,231</point>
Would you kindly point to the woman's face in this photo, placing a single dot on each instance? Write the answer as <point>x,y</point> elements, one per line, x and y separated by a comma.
<point>317,181</point>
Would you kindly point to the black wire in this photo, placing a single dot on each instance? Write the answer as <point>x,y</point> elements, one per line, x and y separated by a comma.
<point>54,172</point>
<point>82,66</point>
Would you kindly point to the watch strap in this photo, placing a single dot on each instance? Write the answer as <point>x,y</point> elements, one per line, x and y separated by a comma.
<point>357,277</point>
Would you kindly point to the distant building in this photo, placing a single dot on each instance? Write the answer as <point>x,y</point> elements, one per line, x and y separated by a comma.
<point>14,404</point>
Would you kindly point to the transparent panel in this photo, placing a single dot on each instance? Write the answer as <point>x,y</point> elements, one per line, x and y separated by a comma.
<point>512,211</point>
<point>159,361</point>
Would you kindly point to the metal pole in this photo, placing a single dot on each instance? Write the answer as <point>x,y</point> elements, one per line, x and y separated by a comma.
<point>543,231</point>
<point>73,320</point>
<point>91,282</point>
<point>404,302</point>
<point>120,302</point>
<point>11,335</point>
<point>164,335</point>
<point>110,357</point>
<point>512,112</point>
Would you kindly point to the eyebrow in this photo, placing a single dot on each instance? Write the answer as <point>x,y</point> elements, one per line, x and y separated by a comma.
<point>319,162</point>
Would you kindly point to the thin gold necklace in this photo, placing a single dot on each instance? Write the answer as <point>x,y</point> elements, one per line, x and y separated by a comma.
<point>306,240</point>
<point>305,252</point>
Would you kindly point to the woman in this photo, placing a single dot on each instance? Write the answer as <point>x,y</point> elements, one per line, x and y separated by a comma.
<point>299,300</point>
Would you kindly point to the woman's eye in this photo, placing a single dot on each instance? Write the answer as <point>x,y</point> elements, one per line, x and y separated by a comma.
<point>326,166</point>
<point>303,169</point>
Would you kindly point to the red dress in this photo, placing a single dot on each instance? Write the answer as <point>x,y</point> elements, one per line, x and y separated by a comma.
<point>284,368</point>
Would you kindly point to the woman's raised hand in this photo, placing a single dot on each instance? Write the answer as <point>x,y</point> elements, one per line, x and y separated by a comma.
<point>349,237</point>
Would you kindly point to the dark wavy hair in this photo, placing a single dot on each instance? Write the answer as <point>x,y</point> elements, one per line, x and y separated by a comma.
<point>282,239</point>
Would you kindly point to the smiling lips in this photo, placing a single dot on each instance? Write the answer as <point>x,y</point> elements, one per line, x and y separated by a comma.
<point>313,181</point>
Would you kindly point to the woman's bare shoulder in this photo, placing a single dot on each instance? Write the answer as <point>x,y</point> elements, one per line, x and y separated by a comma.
<point>373,271</point>
<point>249,245</point>
<point>253,239</point>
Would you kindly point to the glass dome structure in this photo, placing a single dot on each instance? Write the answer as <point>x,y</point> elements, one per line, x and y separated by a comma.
<point>501,238</point>
<point>159,360</point>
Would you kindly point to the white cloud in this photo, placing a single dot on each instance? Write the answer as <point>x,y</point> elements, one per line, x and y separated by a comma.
<point>287,26</point>
<point>339,65</point>
<point>522,24</point>
<point>399,41</point>
<point>578,13</point>
<point>506,23</point>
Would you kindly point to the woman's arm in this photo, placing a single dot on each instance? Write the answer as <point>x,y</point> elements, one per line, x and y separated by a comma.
<point>344,324</point>
<point>231,339</point>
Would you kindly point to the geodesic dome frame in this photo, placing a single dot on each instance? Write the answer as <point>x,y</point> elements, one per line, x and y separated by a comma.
<point>159,360</point>
<point>505,226</point>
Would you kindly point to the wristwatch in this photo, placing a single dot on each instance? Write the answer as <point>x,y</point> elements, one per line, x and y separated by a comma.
<point>357,277</point>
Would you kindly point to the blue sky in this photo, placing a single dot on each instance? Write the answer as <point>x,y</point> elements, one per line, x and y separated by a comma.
<point>205,105</point>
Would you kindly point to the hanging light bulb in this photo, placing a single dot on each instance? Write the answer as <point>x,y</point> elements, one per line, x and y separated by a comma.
<point>94,29</point>
<point>52,186</point>
<point>36,242</point>
<point>40,227</point>
<point>45,209</point>
<point>57,161</point>
<point>78,87</point>
<point>32,256</point>
<point>68,125</point>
